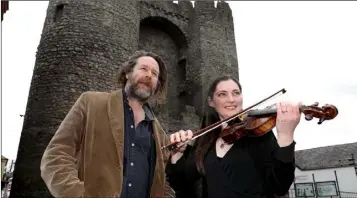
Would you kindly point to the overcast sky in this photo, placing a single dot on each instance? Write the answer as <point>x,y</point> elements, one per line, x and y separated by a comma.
<point>308,48</point>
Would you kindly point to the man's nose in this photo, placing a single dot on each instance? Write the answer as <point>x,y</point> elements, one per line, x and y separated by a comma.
<point>148,74</point>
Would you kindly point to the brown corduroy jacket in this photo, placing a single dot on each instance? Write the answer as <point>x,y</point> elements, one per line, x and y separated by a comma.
<point>85,156</point>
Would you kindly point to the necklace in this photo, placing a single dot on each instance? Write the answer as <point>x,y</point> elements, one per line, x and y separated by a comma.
<point>220,139</point>
<point>222,145</point>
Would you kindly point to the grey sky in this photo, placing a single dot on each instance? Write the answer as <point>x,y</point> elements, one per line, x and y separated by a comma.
<point>309,48</point>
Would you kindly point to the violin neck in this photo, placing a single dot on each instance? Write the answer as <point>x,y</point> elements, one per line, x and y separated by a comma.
<point>262,113</point>
<point>268,112</point>
<point>302,107</point>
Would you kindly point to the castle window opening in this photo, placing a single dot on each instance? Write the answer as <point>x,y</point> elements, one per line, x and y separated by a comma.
<point>59,12</point>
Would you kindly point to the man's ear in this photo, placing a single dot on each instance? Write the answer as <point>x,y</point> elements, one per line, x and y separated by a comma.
<point>127,76</point>
<point>210,102</point>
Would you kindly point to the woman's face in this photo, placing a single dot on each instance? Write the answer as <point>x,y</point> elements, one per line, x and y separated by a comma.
<point>227,99</point>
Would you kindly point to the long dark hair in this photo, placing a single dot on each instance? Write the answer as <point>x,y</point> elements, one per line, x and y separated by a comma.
<point>210,116</point>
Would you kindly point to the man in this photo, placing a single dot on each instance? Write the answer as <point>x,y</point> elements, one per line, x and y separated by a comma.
<point>108,145</point>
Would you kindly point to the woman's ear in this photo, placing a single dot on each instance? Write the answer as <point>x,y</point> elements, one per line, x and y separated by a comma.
<point>210,102</point>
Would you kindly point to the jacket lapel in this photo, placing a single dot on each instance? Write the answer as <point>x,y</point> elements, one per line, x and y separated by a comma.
<point>116,119</point>
<point>159,176</point>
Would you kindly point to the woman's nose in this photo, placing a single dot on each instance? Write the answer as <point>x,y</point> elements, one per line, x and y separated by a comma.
<point>230,98</point>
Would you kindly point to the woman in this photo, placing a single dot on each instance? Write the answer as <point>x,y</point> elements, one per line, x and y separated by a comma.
<point>250,167</point>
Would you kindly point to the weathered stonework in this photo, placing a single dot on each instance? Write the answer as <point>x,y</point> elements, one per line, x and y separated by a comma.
<point>82,46</point>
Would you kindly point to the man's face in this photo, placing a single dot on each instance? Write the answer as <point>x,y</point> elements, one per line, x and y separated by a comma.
<point>142,81</point>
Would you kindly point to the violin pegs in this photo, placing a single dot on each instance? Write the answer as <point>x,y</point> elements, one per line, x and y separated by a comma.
<point>315,104</point>
<point>308,117</point>
<point>321,120</point>
<point>325,106</point>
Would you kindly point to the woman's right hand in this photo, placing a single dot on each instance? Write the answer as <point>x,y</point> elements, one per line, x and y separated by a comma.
<point>181,137</point>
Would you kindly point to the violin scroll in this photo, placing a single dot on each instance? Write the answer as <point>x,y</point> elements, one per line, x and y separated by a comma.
<point>326,112</point>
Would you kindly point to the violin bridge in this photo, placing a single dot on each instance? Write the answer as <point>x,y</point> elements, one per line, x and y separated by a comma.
<point>243,116</point>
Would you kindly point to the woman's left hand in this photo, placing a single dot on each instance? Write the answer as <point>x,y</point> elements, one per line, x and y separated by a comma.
<point>288,117</point>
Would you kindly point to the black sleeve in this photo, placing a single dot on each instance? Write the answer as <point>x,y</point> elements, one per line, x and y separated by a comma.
<point>279,165</point>
<point>183,175</point>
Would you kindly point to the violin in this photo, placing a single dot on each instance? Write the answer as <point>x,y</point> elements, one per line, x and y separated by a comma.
<point>255,123</point>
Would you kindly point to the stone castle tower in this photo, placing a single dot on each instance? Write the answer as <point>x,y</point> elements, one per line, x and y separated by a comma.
<point>82,46</point>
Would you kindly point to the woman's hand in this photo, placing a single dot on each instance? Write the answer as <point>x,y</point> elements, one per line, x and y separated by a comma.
<point>288,117</point>
<point>181,136</point>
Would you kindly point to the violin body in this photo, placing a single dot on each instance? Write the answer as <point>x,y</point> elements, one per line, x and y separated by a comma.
<point>258,127</point>
<point>250,127</point>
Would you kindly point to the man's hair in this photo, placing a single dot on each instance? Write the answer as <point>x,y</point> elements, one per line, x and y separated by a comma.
<point>127,67</point>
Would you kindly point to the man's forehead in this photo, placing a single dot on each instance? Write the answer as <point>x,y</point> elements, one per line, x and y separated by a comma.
<point>147,59</point>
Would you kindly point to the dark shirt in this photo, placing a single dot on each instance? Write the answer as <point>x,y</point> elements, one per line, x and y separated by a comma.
<point>139,153</point>
<point>252,168</point>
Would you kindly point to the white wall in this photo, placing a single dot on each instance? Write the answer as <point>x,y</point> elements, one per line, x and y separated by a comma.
<point>346,177</point>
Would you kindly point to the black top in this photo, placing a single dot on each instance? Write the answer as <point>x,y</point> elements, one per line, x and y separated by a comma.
<point>139,153</point>
<point>253,167</point>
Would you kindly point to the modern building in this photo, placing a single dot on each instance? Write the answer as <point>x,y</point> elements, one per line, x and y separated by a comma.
<point>326,171</point>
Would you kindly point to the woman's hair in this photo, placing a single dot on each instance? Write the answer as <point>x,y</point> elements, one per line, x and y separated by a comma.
<point>210,116</point>
<point>128,66</point>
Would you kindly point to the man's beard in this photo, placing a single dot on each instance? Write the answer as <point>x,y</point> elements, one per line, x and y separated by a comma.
<point>140,94</point>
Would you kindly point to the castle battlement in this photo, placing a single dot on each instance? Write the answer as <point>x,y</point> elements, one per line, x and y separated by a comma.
<point>183,9</point>
<point>221,12</point>
<point>223,7</point>
<point>169,8</point>
<point>204,5</point>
